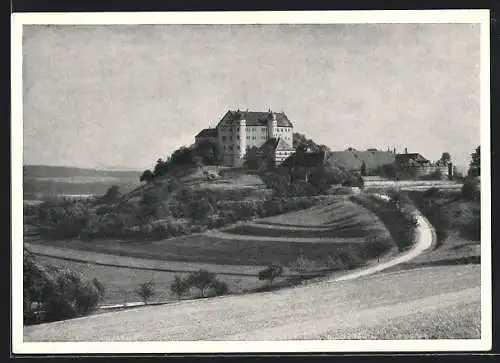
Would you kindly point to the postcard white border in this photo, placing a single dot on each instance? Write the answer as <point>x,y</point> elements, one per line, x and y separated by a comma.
<point>274,17</point>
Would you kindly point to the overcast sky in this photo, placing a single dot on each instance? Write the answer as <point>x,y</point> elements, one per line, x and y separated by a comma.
<point>123,96</point>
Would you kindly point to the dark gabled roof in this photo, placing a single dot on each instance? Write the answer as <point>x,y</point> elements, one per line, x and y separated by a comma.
<point>283,145</point>
<point>411,158</point>
<point>275,144</point>
<point>308,159</point>
<point>269,145</point>
<point>254,118</point>
<point>207,133</point>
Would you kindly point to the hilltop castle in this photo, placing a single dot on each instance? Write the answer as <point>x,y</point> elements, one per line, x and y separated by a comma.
<point>239,130</point>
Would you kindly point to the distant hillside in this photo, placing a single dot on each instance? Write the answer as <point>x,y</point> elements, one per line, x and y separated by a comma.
<point>45,180</point>
<point>353,160</point>
<point>47,171</point>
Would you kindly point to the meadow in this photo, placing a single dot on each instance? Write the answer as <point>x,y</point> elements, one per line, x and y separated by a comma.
<point>121,282</point>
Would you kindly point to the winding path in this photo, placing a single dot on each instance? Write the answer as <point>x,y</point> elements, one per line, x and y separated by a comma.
<point>426,236</point>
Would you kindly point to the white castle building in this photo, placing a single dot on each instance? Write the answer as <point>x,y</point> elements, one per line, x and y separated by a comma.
<point>239,130</point>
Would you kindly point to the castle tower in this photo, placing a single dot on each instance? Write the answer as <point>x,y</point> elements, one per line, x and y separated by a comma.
<point>272,125</point>
<point>242,142</point>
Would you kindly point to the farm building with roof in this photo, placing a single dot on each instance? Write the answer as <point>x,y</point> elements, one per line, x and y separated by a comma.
<point>238,131</point>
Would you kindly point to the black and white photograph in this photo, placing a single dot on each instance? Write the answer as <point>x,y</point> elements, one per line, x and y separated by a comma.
<point>251,182</point>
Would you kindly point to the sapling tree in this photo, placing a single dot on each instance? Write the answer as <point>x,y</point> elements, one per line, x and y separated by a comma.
<point>146,291</point>
<point>271,273</point>
<point>178,287</point>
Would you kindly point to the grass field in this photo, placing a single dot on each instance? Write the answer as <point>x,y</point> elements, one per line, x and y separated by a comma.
<point>438,301</point>
<point>459,322</point>
<point>454,250</point>
<point>255,230</point>
<point>120,282</point>
<point>347,221</point>
<point>205,249</point>
<point>344,220</point>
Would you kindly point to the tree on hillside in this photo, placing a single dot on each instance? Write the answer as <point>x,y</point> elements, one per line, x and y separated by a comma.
<point>302,140</point>
<point>271,273</point>
<point>209,152</point>
<point>319,178</point>
<point>146,291</point>
<point>377,243</point>
<point>161,168</point>
<point>181,157</point>
<point>475,164</point>
<point>324,149</point>
<point>56,293</point>
<point>252,158</point>
<point>198,161</point>
<point>201,279</point>
<point>200,209</point>
<point>112,194</point>
<point>219,287</point>
<point>178,287</point>
<point>146,176</point>
<point>445,158</point>
<point>363,169</point>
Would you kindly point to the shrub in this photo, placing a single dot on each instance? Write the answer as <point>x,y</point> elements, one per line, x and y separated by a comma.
<point>58,294</point>
<point>471,189</point>
<point>200,279</point>
<point>146,291</point>
<point>397,215</point>
<point>271,273</point>
<point>146,176</point>
<point>112,195</point>
<point>178,287</point>
<point>302,265</point>
<point>218,287</point>
<point>377,243</point>
<point>472,229</point>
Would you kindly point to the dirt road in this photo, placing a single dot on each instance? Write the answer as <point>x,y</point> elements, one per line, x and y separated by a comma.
<point>424,240</point>
<point>343,309</point>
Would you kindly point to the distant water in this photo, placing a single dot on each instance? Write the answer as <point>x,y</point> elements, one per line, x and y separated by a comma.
<point>43,198</point>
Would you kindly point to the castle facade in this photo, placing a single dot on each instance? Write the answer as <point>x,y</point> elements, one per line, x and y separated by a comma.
<point>238,131</point>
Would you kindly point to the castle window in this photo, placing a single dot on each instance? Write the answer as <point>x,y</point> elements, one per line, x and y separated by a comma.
<point>263,129</point>
<point>224,138</point>
<point>238,137</point>
<point>248,137</point>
